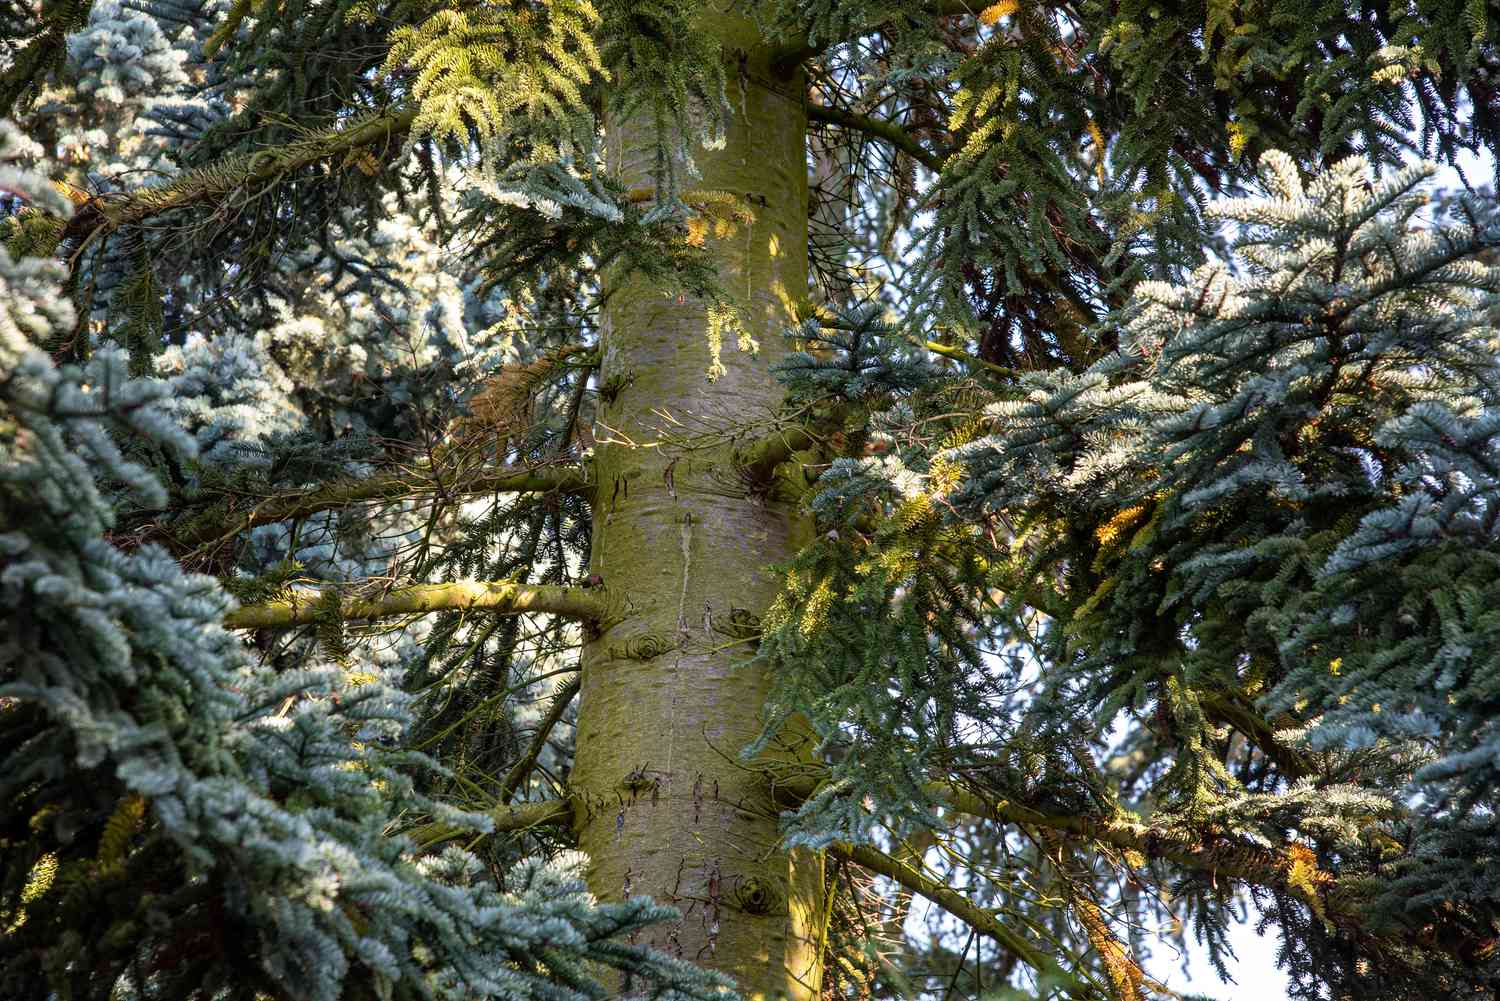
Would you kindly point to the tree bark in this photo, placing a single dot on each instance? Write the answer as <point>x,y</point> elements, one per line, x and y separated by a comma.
<point>681,530</point>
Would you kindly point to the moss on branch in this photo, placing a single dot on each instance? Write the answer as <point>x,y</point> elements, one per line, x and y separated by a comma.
<point>110,212</point>
<point>759,458</point>
<point>306,605</point>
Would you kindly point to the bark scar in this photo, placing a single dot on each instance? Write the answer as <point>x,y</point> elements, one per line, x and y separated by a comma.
<point>687,565</point>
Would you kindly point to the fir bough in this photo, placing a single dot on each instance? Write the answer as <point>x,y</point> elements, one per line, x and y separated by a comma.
<point>181,818</point>
<point>1277,504</point>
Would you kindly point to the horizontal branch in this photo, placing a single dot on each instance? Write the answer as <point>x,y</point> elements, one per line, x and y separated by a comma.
<point>304,605</point>
<point>1291,870</point>
<point>878,128</point>
<point>955,903</point>
<point>508,820</point>
<point>113,210</point>
<point>959,355</point>
<point>216,524</point>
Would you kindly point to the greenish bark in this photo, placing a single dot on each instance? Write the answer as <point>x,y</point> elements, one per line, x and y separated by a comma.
<point>686,534</point>
<point>301,606</point>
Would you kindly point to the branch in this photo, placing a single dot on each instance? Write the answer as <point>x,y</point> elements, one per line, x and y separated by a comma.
<point>957,354</point>
<point>955,903</point>
<point>759,458</point>
<point>878,128</point>
<point>522,768</point>
<point>1226,707</point>
<point>212,525</point>
<point>47,48</point>
<point>508,820</point>
<point>1292,870</point>
<point>111,211</point>
<point>304,605</point>
<point>786,59</point>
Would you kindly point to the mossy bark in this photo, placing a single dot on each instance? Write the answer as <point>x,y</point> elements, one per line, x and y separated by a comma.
<point>683,539</point>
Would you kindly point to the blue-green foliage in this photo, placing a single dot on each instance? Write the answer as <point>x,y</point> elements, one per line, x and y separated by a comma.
<point>1277,504</point>
<point>1259,439</point>
<point>876,631</point>
<point>1075,150</point>
<point>854,356</point>
<point>1274,509</point>
<point>177,816</point>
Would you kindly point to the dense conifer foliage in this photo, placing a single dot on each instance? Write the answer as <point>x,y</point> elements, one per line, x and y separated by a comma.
<point>553,499</point>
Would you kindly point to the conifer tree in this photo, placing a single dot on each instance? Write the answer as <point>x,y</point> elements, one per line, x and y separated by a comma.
<point>781,462</point>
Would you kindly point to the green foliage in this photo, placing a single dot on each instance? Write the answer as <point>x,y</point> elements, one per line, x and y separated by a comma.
<point>1255,499</point>
<point>1268,518</point>
<point>873,640</point>
<point>1222,563</point>
<point>671,70</point>
<point>877,637</point>
<point>1077,147</point>
<point>855,356</point>
<point>180,819</point>
<point>473,71</point>
<point>35,43</point>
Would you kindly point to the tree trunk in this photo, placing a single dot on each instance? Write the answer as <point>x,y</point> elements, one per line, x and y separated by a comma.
<point>682,540</point>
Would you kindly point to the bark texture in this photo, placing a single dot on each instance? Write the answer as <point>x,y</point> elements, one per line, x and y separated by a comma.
<point>683,539</point>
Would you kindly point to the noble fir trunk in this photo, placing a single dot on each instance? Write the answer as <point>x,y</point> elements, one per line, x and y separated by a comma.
<point>808,499</point>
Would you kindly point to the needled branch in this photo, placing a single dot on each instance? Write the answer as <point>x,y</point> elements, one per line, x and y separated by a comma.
<point>304,605</point>
<point>522,768</point>
<point>1227,707</point>
<point>1125,974</point>
<point>211,525</point>
<point>1291,869</point>
<point>28,67</point>
<point>508,820</point>
<point>956,904</point>
<point>786,59</point>
<point>112,211</point>
<point>878,128</point>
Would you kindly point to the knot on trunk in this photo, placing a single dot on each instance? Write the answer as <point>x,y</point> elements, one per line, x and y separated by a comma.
<point>740,623</point>
<point>647,646</point>
<point>759,895</point>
